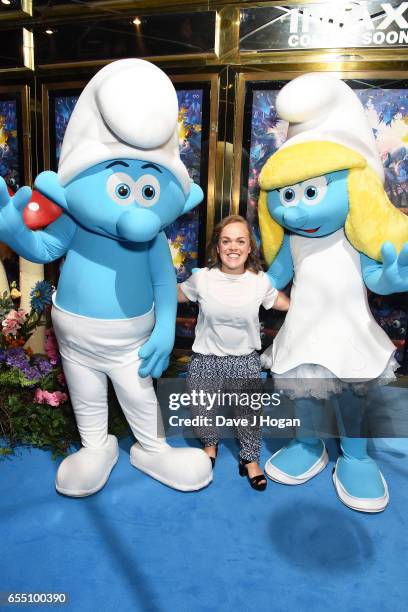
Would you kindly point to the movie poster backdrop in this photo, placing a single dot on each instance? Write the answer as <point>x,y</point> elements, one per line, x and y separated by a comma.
<point>11,167</point>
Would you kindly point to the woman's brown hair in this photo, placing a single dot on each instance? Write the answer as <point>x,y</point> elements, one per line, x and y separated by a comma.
<point>253,263</point>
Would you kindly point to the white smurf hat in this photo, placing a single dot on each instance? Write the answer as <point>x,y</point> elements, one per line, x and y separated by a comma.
<point>321,107</point>
<point>129,109</point>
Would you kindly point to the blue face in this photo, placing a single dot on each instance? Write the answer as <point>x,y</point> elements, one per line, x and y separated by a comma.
<point>125,199</point>
<point>316,207</point>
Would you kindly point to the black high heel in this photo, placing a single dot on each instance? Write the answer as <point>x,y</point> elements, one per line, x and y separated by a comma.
<point>257,482</point>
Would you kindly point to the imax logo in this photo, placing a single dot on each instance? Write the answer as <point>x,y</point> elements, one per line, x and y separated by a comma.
<point>355,14</point>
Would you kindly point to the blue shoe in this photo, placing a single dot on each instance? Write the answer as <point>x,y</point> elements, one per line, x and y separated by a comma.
<point>360,484</point>
<point>298,462</point>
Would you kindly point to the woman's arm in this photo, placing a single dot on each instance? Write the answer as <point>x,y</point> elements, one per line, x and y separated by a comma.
<point>282,302</point>
<point>181,298</point>
<point>190,292</point>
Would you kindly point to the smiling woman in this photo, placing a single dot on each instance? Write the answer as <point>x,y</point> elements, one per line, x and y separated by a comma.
<point>230,292</point>
<point>233,248</point>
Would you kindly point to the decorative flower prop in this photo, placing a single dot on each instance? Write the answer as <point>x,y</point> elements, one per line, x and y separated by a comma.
<point>52,399</point>
<point>18,365</point>
<point>51,346</point>
<point>34,403</point>
<point>13,322</point>
<point>41,296</point>
<point>17,326</point>
<point>34,407</point>
<point>15,294</point>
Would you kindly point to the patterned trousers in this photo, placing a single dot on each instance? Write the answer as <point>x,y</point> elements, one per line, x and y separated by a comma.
<point>240,374</point>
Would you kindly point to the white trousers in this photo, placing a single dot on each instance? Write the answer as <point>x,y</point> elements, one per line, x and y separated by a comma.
<point>93,350</point>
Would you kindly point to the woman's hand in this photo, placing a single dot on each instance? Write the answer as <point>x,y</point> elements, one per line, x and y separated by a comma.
<point>282,302</point>
<point>181,298</point>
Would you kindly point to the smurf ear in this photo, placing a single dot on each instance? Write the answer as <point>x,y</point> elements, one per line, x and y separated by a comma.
<point>48,184</point>
<point>195,196</point>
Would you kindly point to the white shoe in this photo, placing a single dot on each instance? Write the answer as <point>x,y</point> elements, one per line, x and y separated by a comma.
<point>184,469</point>
<point>361,504</point>
<point>86,471</point>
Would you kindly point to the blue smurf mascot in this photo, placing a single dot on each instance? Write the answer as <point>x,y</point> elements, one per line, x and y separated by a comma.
<point>327,222</point>
<point>120,181</point>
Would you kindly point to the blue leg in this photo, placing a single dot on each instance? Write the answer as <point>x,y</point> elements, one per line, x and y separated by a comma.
<point>305,456</point>
<point>357,479</point>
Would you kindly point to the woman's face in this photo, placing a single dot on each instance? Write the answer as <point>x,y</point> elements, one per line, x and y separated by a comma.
<point>234,248</point>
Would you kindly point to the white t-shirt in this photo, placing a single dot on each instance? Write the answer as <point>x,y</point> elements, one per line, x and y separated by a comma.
<point>228,318</point>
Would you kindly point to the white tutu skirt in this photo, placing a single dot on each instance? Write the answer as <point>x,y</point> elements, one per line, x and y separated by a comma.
<point>310,380</point>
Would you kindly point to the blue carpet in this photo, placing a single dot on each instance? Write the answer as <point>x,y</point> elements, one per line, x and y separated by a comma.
<point>138,545</point>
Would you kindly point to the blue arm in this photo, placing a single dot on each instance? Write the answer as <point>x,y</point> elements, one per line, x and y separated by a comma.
<point>49,244</point>
<point>156,351</point>
<point>388,276</point>
<point>40,246</point>
<point>281,269</point>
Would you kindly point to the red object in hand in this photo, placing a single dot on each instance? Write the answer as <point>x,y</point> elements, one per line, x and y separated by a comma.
<point>40,211</point>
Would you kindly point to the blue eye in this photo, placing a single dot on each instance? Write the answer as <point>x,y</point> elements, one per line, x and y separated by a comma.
<point>311,192</point>
<point>314,190</point>
<point>148,192</point>
<point>289,195</point>
<point>122,191</point>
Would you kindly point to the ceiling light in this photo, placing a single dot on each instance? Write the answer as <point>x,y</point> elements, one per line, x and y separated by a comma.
<point>137,21</point>
<point>49,31</point>
<point>6,1</point>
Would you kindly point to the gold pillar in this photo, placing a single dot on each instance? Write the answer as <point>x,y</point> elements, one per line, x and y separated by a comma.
<point>30,273</point>
<point>4,286</point>
<point>227,34</point>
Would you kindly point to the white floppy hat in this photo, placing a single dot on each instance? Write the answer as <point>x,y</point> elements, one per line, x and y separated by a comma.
<point>321,107</point>
<point>129,109</point>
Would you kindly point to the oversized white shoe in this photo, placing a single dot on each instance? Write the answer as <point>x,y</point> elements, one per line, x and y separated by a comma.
<point>297,462</point>
<point>360,485</point>
<point>184,469</point>
<point>87,471</point>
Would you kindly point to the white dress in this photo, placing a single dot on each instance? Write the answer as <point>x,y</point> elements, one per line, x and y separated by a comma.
<point>329,332</point>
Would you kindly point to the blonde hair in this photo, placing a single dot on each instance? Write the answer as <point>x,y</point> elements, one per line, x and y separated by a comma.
<point>372,218</point>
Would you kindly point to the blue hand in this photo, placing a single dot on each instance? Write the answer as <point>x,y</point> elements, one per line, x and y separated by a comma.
<point>390,276</point>
<point>39,246</point>
<point>395,267</point>
<point>155,353</point>
<point>11,213</point>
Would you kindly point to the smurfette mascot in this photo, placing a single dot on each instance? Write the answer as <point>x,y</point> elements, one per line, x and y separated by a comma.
<point>326,222</point>
<point>120,181</point>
